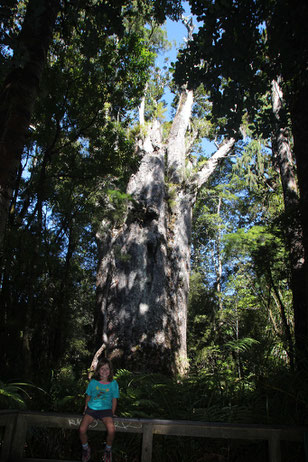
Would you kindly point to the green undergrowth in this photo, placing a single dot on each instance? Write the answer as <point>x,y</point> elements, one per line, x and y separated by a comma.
<point>278,399</point>
<point>281,398</point>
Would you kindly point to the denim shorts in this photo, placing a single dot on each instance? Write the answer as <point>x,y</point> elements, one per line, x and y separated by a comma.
<point>99,414</point>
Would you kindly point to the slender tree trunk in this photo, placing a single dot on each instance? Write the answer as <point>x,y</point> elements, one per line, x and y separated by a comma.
<point>299,116</point>
<point>59,333</point>
<point>19,93</point>
<point>144,263</point>
<point>217,258</point>
<point>294,231</point>
<point>287,336</point>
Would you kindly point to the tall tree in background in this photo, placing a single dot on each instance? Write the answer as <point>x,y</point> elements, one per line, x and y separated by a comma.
<point>144,264</point>
<point>225,324</point>
<point>238,53</point>
<point>19,91</point>
<point>291,55</point>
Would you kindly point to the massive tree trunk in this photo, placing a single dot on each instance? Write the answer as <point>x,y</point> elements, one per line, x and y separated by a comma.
<point>293,230</point>
<point>19,92</point>
<point>144,263</point>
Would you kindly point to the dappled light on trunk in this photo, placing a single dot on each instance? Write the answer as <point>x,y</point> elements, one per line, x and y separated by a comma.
<point>144,262</point>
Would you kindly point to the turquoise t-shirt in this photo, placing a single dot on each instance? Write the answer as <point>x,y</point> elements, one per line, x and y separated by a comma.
<point>102,394</point>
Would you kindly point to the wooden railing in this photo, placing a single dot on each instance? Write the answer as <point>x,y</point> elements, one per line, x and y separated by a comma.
<point>16,424</point>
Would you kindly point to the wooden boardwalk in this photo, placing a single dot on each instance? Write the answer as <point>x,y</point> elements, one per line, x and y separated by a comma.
<point>16,424</point>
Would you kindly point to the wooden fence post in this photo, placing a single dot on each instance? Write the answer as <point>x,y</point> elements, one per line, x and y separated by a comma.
<point>306,446</point>
<point>274,447</point>
<point>19,439</point>
<point>147,441</point>
<point>8,435</point>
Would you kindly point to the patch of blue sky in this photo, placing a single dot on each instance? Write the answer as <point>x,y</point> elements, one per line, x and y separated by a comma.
<point>177,35</point>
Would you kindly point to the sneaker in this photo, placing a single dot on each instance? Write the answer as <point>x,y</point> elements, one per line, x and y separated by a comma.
<point>86,454</point>
<point>107,456</point>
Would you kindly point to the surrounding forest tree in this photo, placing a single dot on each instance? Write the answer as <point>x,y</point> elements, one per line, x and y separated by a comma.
<point>19,90</point>
<point>239,55</point>
<point>225,322</point>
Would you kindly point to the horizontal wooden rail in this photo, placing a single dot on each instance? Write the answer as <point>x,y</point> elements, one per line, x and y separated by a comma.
<point>16,424</point>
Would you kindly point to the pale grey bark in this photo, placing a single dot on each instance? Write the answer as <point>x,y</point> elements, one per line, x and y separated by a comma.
<point>212,163</point>
<point>143,274</point>
<point>282,148</point>
<point>176,148</point>
<point>217,258</point>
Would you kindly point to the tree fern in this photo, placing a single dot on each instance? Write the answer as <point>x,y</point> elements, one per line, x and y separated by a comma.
<point>14,394</point>
<point>241,344</point>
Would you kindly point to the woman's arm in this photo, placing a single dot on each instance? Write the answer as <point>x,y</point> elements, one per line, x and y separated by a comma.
<point>86,403</point>
<point>114,405</point>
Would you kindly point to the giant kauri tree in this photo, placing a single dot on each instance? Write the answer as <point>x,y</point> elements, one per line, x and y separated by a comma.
<point>144,260</point>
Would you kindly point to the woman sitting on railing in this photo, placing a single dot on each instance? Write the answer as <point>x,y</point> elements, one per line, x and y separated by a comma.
<point>101,401</point>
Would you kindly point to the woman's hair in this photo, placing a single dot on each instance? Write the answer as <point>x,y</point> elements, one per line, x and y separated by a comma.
<point>101,363</point>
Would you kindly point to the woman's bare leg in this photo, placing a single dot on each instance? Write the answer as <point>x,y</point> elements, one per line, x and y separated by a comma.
<point>109,424</point>
<point>83,429</point>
